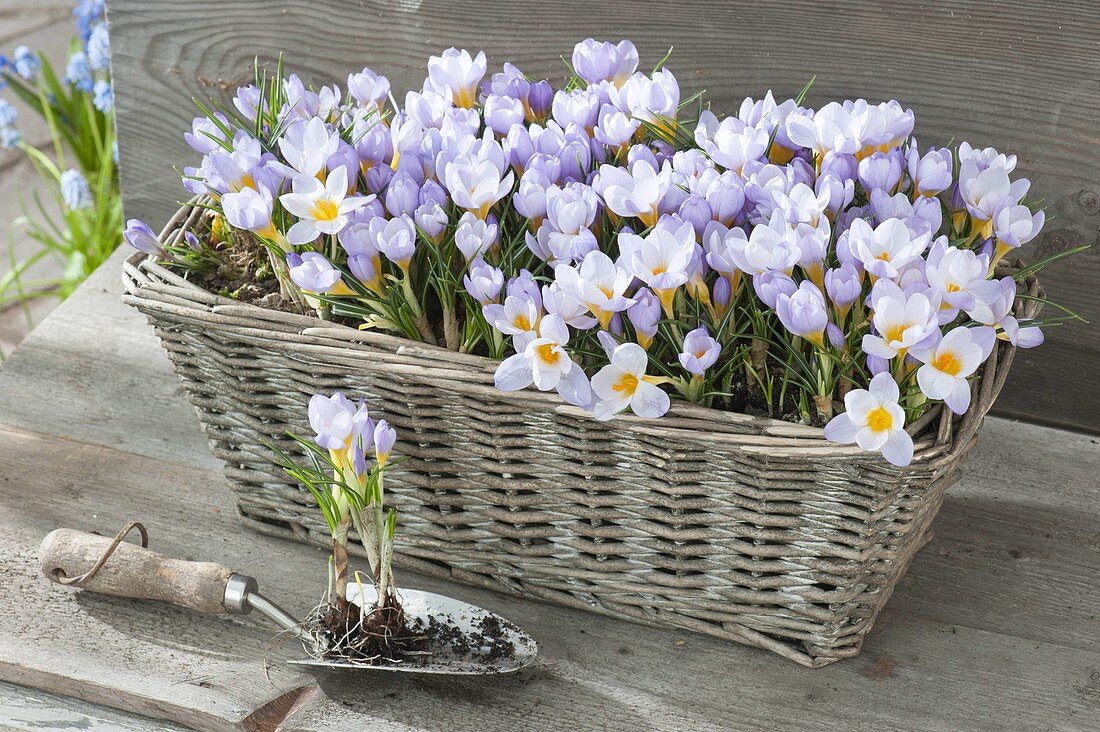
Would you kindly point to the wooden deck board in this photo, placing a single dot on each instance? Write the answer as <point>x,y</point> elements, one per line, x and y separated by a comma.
<point>995,626</point>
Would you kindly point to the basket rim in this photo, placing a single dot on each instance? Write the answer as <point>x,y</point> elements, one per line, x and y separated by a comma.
<point>142,274</point>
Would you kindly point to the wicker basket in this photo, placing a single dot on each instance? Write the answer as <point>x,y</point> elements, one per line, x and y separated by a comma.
<point>748,529</point>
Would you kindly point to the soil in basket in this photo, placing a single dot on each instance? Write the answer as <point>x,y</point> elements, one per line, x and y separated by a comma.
<point>387,636</point>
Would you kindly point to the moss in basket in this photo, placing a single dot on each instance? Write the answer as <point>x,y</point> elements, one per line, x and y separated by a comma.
<point>623,246</point>
<point>348,457</point>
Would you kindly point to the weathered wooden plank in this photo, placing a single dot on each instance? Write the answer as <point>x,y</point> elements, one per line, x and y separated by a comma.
<point>28,710</point>
<point>932,663</point>
<point>1017,75</point>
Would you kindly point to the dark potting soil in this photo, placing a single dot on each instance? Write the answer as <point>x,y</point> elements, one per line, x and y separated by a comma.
<point>387,636</point>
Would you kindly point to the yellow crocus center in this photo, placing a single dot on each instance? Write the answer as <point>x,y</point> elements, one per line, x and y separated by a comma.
<point>895,333</point>
<point>948,363</point>
<point>627,384</point>
<point>879,420</point>
<point>607,291</point>
<point>548,353</point>
<point>952,287</point>
<point>522,322</point>
<point>325,210</point>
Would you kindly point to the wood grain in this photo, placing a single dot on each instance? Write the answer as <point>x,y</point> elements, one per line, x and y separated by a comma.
<point>1019,75</point>
<point>994,627</point>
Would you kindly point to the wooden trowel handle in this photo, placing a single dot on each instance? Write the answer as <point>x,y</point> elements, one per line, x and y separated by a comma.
<point>133,572</point>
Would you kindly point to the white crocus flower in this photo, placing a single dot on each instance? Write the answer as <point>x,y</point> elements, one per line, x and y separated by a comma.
<point>833,128</point>
<point>886,249</point>
<point>731,143</point>
<point>948,363</point>
<point>307,146</point>
<point>623,383</point>
<point>634,192</point>
<point>986,191</point>
<point>873,420</point>
<point>518,317</point>
<point>457,73</point>
<point>598,283</point>
<point>770,247</point>
<point>476,185</point>
<point>660,259</point>
<point>545,363</point>
<point>902,321</point>
<point>321,208</point>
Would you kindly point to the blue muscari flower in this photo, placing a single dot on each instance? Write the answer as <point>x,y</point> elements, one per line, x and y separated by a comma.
<point>114,150</point>
<point>9,137</point>
<point>99,48</point>
<point>25,63</point>
<point>74,190</point>
<point>8,113</point>
<point>104,99</point>
<point>87,12</point>
<point>78,72</point>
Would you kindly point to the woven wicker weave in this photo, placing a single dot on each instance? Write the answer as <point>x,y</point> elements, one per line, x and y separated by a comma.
<point>749,529</point>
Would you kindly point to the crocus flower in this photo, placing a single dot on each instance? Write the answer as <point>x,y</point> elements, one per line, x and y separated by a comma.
<point>402,194</point>
<point>1014,226</point>
<point>539,98</point>
<point>384,439</point>
<point>887,248</point>
<point>458,74</point>
<point>250,209</point>
<point>699,352</point>
<point>880,171</point>
<point>315,274</point>
<point>368,88</point>
<point>651,99</point>
<point>769,247</point>
<point>574,312</point>
<point>901,322</point>
<point>395,238</point>
<point>518,317</point>
<point>431,218</point>
<point>986,191</point>
<point>634,191</point>
<point>833,128</point>
<point>731,143</point>
<point>660,259</point>
<point>138,235</point>
<point>956,277</point>
<point>803,313</point>
<point>843,284</point>
<point>614,128</point>
<point>322,208</point>
<point>623,383</point>
<point>771,285</point>
<point>995,309</point>
<point>307,145</point>
<point>476,185</point>
<point>338,423</point>
<point>502,112</point>
<point>598,283</point>
<point>483,282</point>
<point>474,236</point>
<point>644,315</point>
<point>206,136</point>
<point>930,173</point>
<point>596,61</point>
<point>873,420</point>
<point>545,363</point>
<point>947,364</point>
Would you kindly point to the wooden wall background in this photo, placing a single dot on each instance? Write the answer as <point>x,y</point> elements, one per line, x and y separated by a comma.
<point>1021,75</point>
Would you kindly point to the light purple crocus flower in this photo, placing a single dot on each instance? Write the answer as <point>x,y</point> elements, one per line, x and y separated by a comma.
<point>402,194</point>
<point>312,272</point>
<point>843,284</point>
<point>138,235</point>
<point>484,282</point>
<point>771,284</point>
<point>539,99</point>
<point>206,136</point>
<point>384,439</point>
<point>644,315</point>
<point>880,171</point>
<point>700,351</point>
<point>338,422</point>
<point>596,61</point>
<point>474,236</point>
<point>803,313</point>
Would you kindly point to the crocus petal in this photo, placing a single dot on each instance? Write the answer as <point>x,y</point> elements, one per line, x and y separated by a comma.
<point>885,388</point>
<point>605,409</point>
<point>1029,337</point>
<point>898,448</point>
<point>575,388</point>
<point>857,403</point>
<point>841,429</point>
<point>302,232</point>
<point>958,398</point>
<point>649,400</point>
<point>513,373</point>
<point>870,440</point>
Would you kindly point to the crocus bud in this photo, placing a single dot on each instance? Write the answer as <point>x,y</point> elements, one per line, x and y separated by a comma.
<point>483,283</point>
<point>402,195</point>
<point>699,352</point>
<point>384,439</point>
<point>803,312</point>
<point>771,284</point>
<point>539,99</point>
<point>644,315</point>
<point>138,235</point>
<point>697,212</point>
